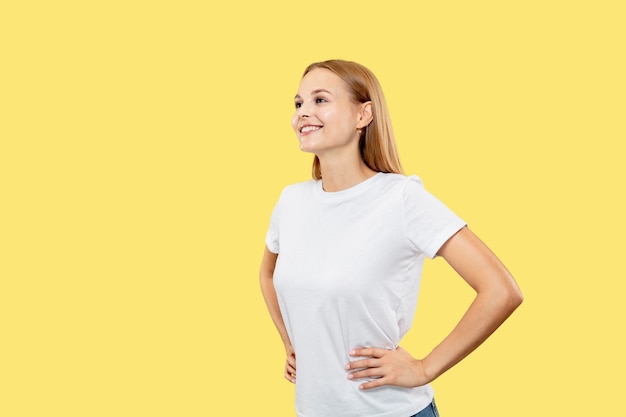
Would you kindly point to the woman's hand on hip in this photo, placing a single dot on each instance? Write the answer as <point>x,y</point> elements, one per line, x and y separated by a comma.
<point>388,367</point>
<point>290,365</point>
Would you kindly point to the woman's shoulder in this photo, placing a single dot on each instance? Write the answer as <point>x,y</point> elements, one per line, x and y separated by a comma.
<point>298,188</point>
<point>302,185</point>
<point>401,180</point>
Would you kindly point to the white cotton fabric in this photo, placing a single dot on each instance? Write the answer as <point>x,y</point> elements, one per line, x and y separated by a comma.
<point>348,275</point>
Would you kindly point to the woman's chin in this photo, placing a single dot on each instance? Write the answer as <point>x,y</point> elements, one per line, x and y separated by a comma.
<point>306,147</point>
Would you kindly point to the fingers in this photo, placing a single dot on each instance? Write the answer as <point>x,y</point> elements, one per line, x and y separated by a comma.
<point>363,363</point>
<point>290,374</point>
<point>370,367</point>
<point>291,377</point>
<point>290,369</point>
<point>291,361</point>
<point>386,367</point>
<point>372,360</point>
<point>367,368</point>
<point>373,352</point>
<point>373,384</point>
<point>376,373</point>
<point>366,373</point>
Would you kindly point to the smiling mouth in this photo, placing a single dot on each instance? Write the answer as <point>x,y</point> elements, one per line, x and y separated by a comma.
<point>307,129</point>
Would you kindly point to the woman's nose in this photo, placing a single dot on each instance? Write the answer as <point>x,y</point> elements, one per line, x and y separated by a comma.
<point>303,110</point>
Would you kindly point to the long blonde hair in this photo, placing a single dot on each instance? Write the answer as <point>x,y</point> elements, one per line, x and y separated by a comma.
<point>377,145</point>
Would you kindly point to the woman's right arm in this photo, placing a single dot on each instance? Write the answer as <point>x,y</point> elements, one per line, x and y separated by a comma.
<point>269,293</point>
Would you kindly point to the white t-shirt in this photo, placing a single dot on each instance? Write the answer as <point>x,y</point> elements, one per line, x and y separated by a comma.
<point>348,275</point>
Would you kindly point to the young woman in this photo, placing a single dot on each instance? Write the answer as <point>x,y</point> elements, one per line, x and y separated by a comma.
<point>343,260</point>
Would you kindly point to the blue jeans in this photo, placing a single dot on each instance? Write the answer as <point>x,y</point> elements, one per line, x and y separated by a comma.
<point>430,411</point>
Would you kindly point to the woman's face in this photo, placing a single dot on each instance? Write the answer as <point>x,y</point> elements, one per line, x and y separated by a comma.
<point>326,118</point>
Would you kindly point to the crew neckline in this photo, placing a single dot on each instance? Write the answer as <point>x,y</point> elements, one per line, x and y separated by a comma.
<point>350,191</point>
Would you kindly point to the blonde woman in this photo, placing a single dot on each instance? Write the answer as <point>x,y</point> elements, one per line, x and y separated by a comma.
<point>343,260</point>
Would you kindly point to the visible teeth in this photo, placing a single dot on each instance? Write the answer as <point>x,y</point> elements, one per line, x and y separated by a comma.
<point>309,128</point>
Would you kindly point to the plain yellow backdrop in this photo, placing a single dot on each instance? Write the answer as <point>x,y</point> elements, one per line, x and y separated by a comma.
<point>144,144</point>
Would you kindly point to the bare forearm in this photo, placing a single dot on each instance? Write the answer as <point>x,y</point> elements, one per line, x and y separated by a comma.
<point>271,300</point>
<point>497,297</point>
<point>398,367</point>
<point>486,313</point>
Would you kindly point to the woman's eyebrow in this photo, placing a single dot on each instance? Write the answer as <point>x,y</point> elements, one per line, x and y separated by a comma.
<point>319,90</point>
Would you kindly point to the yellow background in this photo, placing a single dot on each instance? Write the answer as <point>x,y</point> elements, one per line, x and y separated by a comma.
<point>144,144</point>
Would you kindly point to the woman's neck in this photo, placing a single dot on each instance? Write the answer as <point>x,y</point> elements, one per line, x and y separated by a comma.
<point>338,175</point>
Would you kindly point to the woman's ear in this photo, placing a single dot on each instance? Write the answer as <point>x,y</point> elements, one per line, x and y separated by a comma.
<point>365,115</point>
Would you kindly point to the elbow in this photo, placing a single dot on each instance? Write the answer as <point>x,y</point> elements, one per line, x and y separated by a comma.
<point>509,293</point>
<point>517,298</point>
<point>512,298</point>
<point>504,298</point>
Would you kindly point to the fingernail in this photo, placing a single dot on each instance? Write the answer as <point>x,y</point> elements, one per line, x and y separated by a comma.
<point>352,352</point>
<point>347,366</point>
<point>350,376</point>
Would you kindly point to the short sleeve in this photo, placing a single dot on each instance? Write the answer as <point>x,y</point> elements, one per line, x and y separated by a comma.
<point>428,223</point>
<point>272,236</point>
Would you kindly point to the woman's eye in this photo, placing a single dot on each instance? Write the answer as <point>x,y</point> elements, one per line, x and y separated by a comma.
<point>320,100</point>
<point>298,105</point>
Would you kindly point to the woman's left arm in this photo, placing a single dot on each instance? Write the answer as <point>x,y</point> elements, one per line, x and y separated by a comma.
<point>497,296</point>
